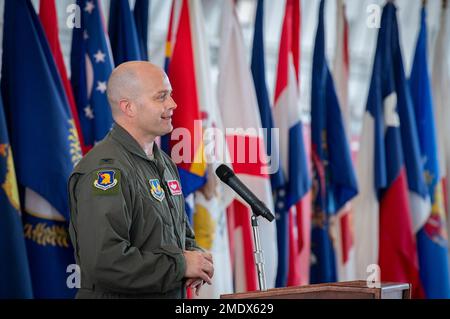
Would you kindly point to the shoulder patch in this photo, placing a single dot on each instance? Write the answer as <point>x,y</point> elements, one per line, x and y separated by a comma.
<point>106,182</point>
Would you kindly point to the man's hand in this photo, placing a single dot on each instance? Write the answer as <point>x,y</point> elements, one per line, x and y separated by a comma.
<point>195,284</point>
<point>199,265</point>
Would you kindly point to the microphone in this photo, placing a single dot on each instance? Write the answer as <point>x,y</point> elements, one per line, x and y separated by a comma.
<point>227,176</point>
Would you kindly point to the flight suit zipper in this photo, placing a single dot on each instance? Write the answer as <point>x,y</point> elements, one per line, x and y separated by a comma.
<point>169,200</point>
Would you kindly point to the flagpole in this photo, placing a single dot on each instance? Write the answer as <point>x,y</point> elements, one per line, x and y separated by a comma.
<point>259,256</point>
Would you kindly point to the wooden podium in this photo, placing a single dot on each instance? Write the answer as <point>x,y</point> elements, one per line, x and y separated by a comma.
<point>339,290</point>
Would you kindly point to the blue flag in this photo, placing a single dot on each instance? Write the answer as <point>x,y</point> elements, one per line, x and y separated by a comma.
<point>265,110</point>
<point>259,78</point>
<point>14,273</point>
<point>383,212</point>
<point>142,19</point>
<point>122,33</point>
<point>334,177</point>
<point>417,187</point>
<point>431,238</point>
<point>91,64</point>
<point>45,143</point>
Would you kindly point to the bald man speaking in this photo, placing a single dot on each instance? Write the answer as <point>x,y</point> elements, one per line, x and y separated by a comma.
<point>128,223</point>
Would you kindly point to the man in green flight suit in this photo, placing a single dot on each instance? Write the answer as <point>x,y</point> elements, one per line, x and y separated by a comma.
<point>128,223</point>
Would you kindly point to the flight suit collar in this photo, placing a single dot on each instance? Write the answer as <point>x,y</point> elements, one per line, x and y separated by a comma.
<point>128,141</point>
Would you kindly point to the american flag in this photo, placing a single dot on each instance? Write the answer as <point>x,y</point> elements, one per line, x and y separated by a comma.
<point>91,65</point>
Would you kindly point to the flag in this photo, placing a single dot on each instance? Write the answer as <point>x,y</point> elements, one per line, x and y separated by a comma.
<point>432,235</point>
<point>122,33</point>
<point>239,111</point>
<point>141,18</point>
<point>14,271</point>
<point>441,97</point>
<point>383,225</point>
<point>210,202</point>
<point>271,142</point>
<point>333,175</point>
<point>342,228</point>
<point>258,68</point>
<point>91,65</point>
<point>287,245</point>
<point>341,64</point>
<point>211,233</point>
<point>419,197</point>
<point>49,20</point>
<point>169,48</point>
<point>292,149</point>
<point>186,151</point>
<point>44,139</point>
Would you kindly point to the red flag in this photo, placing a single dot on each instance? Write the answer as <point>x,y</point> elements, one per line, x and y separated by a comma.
<point>383,225</point>
<point>49,21</point>
<point>243,247</point>
<point>182,75</point>
<point>293,152</point>
<point>239,109</point>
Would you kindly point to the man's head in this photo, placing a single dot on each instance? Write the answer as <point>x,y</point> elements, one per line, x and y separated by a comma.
<point>140,97</point>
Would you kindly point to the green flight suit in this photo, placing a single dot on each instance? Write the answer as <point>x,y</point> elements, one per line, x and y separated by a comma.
<point>128,228</point>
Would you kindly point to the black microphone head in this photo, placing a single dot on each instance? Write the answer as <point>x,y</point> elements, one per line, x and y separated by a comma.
<point>224,173</point>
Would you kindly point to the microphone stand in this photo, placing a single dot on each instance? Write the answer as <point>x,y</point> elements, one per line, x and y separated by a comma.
<point>259,257</point>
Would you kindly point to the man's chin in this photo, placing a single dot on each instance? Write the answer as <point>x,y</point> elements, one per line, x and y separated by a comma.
<point>167,130</point>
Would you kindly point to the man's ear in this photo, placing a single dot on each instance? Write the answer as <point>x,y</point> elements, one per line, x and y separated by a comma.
<point>127,108</point>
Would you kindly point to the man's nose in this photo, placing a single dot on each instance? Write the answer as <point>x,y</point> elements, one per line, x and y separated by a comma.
<point>172,105</point>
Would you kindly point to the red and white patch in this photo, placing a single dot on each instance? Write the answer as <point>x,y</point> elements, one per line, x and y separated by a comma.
<point>174,187</point>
